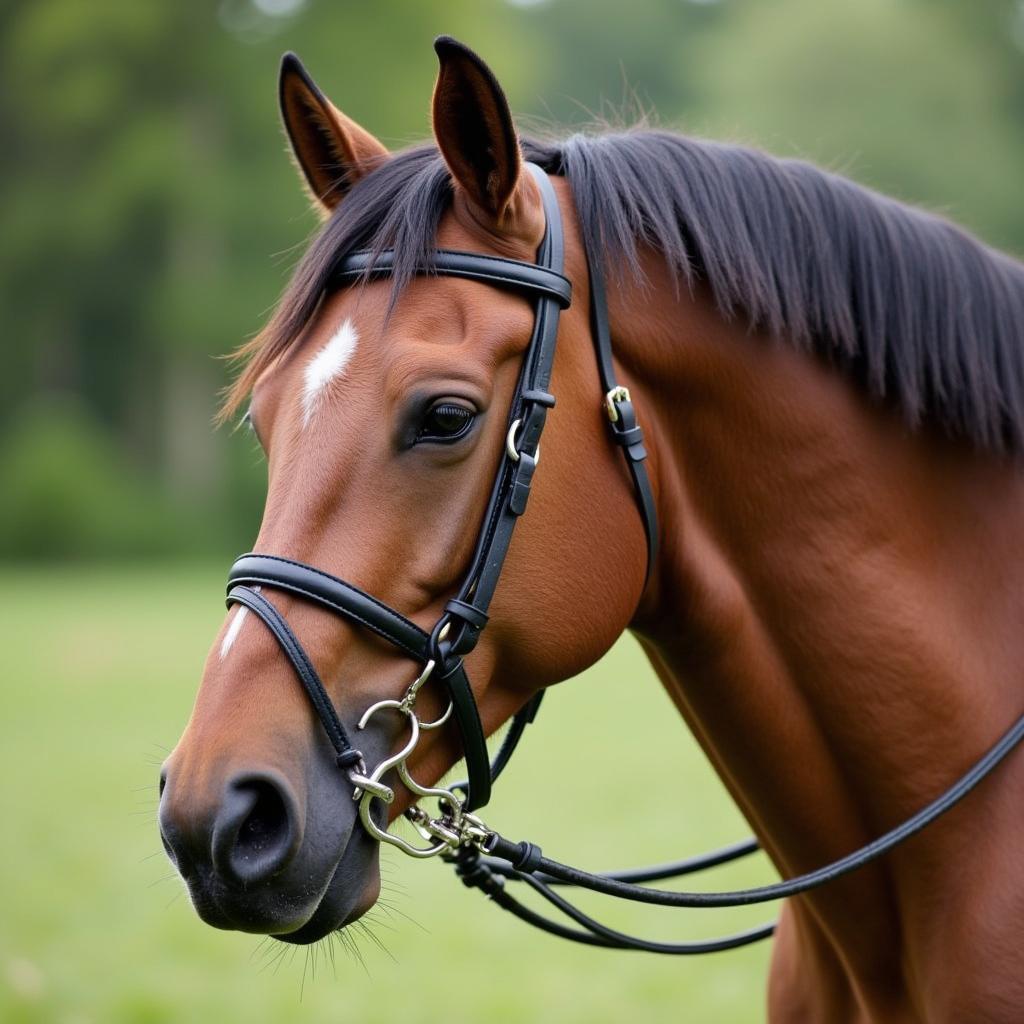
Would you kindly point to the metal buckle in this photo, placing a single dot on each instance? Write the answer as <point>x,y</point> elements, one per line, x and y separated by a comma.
<point>617,394</point>
<point>510,443</point>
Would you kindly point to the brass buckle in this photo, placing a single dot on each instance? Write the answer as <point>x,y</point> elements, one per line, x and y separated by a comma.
<point>617,394</point>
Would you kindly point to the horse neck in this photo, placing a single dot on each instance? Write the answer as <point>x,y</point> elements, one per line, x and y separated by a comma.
<point>837,608</point>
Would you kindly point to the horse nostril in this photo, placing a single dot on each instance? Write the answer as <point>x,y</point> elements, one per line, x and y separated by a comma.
<point>256,833</point>
<point>266,824</point>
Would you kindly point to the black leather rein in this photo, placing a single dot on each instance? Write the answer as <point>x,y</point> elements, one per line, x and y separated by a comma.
<point>483,858</point>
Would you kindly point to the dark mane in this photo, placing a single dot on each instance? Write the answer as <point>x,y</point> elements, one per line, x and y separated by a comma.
<point>908,305</point>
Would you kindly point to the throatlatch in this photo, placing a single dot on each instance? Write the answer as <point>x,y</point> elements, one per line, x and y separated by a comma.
<point>483,858</point>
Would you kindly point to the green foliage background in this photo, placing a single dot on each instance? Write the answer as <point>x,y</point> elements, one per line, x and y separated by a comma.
<point>150,215</point>
<point>148,219</point>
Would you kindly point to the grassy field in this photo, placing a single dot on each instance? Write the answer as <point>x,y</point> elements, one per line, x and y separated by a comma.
<point>99,672</point>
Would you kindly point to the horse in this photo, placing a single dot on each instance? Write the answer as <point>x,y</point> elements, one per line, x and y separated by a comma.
<point>831,389</point>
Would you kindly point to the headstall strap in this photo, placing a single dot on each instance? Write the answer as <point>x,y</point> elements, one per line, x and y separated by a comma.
<point>483,858</point>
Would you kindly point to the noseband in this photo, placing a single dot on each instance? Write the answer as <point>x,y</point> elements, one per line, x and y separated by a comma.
<point>483,858</point>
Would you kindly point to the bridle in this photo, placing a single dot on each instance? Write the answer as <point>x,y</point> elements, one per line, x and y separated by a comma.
<point>482,857</point>
<point>440,651</point>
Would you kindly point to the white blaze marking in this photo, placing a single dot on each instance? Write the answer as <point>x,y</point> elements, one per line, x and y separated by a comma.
<point>234,629</point>
<point>327,365</point>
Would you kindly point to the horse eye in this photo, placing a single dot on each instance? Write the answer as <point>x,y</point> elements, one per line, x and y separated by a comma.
<point>445,422</point>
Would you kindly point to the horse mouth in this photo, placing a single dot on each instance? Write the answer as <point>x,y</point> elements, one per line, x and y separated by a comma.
<point>351,892</point>
<point>292,906</point>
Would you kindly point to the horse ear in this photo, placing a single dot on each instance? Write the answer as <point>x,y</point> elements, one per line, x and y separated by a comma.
<point>332,151</point>
<point>473,128</point>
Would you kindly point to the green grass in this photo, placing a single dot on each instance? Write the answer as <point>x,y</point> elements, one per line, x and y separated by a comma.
<point>100,668</point>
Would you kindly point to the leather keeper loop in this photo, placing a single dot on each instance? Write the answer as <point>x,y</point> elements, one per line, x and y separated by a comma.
<point>528,857</point>
<point>348,759</point>
<point>476,617</point>
<point>524,856</point>
<point>540,397</point>
<point>629,438</point>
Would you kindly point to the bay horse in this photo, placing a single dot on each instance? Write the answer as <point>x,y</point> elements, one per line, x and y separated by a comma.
<point>831,386</point>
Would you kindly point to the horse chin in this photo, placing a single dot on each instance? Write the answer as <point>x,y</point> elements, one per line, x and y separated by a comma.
<point>352,891</point>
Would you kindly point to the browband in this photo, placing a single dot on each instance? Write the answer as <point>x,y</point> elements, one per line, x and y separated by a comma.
<point>474,266</point>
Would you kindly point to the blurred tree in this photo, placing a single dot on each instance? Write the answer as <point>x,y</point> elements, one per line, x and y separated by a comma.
<point>913,98</point>
<point>146,192</point>
<point>603,60</point>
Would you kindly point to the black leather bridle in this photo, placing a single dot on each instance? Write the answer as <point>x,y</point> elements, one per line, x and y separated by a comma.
<point>483,858</point>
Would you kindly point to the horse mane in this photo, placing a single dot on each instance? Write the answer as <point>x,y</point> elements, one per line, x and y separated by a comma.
<point>909,306</point>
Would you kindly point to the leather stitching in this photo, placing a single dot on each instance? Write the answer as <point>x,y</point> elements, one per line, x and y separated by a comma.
<point>549,283</point>
<point>341,610</point>
<point>341,584</point>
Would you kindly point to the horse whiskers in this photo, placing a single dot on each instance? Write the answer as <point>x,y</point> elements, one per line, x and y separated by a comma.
<point>375,939</point>
<point>274,957</point>
<point>372,916</point>
<point>391,910</point>
<point>310,951</point>
<point>351,947</point>
<point>330,952</point>
<point>270,952</point>
<point>259,950</point>
<point>156,760</point>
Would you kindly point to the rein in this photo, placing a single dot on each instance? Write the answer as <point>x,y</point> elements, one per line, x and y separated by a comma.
<point>482,857</point>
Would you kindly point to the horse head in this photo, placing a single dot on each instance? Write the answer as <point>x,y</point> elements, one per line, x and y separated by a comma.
<point>383,409</point>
